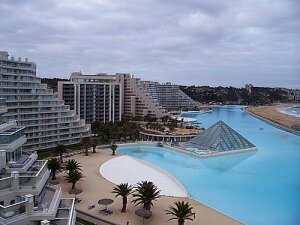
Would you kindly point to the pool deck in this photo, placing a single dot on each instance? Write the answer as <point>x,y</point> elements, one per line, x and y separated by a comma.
<point>96,187</point>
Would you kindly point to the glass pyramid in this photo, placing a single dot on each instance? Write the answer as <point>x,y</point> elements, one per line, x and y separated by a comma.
<point>220,137</point>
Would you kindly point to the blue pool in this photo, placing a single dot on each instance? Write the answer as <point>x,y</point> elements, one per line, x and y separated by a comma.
<point>256,188</point>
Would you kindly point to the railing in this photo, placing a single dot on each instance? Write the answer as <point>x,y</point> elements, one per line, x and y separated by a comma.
<point>66,206</point>
<point>31,158</point>
<point>12,211</point>
<point>32,178</point>
<point>5,183</point>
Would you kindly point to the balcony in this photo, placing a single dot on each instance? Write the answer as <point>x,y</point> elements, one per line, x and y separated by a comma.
<point>49,204</point>
<point>23,163</point>
<point>13,212</point>
<point>66,214</point>
<point>46,208</point>
<point>35,177</point>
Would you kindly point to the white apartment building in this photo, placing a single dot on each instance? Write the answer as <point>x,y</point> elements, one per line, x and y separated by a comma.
<point>25,196</point>
<point>137,101</point>
<point>93,97</point>
<point>168,95</point>
<point>47,120</point>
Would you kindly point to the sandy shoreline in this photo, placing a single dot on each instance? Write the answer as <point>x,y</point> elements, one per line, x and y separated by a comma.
<point>272,114</point>
<point>95,187</point>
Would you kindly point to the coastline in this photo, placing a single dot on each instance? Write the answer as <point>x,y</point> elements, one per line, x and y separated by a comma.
<point>273,116</point>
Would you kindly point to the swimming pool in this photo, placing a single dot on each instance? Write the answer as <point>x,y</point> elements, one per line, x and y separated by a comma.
<point>260,187</point>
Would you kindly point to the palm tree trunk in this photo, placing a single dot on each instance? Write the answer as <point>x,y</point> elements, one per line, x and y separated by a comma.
<point>86,151</point>
<point>147,206</point>
<point>94,150</point>
<point>53,175</point>
<point>180,221</point>
<point>124,204</point>
<point>73,185</point>
<point>61,157</point>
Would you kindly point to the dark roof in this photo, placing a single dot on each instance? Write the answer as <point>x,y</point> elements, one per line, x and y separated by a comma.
<point>220,137</point>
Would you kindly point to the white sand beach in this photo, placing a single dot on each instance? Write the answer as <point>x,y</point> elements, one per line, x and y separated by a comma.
<point>133,171</point>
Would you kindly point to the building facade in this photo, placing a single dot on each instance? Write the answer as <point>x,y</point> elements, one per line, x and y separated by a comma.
<point>294,95</point>
<point>47,120</point>
<point>137,101</point>
<point>93,97</point>
<point>168,96</point>
<point>25,196</point>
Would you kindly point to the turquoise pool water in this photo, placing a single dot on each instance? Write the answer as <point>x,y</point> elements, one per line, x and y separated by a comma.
<point>255,188</point>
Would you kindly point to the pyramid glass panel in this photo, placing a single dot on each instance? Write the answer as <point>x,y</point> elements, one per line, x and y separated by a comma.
<point>219,138</point>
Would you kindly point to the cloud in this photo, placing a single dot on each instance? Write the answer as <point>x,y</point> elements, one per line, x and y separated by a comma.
<point>202,42</point>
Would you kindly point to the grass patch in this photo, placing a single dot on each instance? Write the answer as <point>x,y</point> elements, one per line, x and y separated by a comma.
<point>84,222</point>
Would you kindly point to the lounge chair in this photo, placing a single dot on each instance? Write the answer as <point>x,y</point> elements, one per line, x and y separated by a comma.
<point>91,206</point>
<point>106,212</point>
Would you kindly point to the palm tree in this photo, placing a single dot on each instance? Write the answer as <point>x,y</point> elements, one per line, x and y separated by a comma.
<point>94,144</point>
<point>181,212</point>
<point>73,177</point>
<point>114,148</point>
<point>123,190</point>
<point>60,150</point>
<point>53,165</point>
<point>145,193</point>
<point>86,141</point>
<point>72,165</point>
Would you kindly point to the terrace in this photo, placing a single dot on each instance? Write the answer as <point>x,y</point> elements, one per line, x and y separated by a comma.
<point>24,162</point>
<point>36,175</point>
<point>46,208</point>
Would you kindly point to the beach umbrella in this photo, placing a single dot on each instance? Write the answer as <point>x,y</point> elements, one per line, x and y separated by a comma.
<point>106,202</point>
<point>145,213</point>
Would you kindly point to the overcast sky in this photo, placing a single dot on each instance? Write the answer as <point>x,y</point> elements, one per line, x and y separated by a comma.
<point>199,42</point>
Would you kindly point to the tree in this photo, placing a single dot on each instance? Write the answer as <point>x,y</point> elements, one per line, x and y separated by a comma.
<point>145,193</point>
<point>60,150</point>
<point>181,212</point>
<point>123,190</point>
<point>72,165</point>
<point>54,165</point>
<point>86,141</point>
<point>94,144</point>
<point>114,148</point>
<point>73,177</point>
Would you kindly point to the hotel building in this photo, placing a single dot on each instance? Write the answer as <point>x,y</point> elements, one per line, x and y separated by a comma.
<point>103,97</point>
<point>25,196</point>
<point>137,101</point>
<point>47,120</point>
<point>93,97</point>
<point>169,96</point>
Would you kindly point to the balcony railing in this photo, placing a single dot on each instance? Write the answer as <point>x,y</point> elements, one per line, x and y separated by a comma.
<point>13,211</point>
<point>34,175</point>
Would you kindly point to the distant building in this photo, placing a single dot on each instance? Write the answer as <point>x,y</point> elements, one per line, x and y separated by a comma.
<point>168,95</point>
<point>137,101</point>
<point>46,119</point>
<point>103,97</point>
<point>171,98</point>
<point>248,88</point>
<point>93,97</point>
<point>294,95</point>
